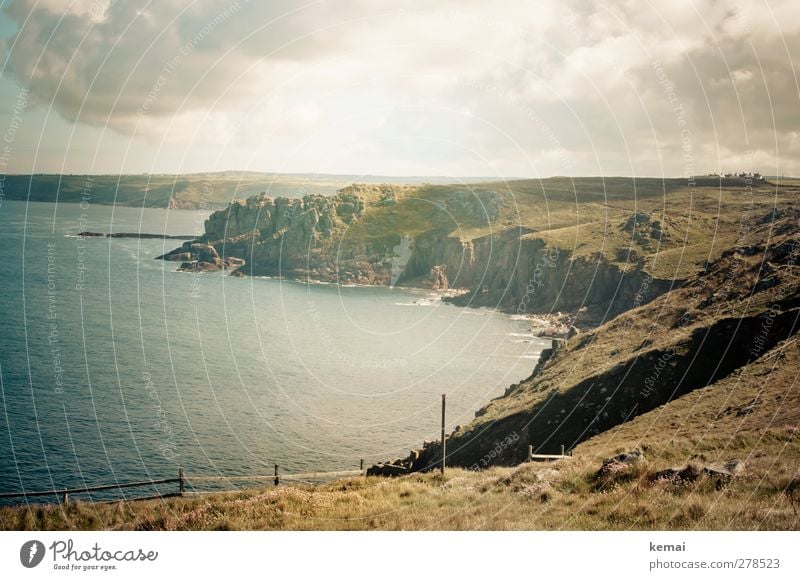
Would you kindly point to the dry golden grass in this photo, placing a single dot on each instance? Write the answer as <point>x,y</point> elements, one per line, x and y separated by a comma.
<point>554,496</point>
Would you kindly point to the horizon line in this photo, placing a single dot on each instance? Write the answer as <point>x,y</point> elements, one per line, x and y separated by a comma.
<point>377,175</point>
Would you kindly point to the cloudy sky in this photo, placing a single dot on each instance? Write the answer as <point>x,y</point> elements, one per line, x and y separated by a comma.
<point>462,88</point>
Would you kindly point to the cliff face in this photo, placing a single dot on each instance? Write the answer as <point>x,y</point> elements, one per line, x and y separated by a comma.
<point>388,235</point>
<point>302,238</point>
<point>518,271</point>
<point>524,247</point>
<point>718,323</point>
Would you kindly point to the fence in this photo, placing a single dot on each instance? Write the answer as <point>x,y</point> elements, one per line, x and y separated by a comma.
<point>63,494</point>
<point>542,457</point>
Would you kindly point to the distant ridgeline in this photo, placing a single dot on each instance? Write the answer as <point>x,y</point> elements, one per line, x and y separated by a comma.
<point>559,244</point>
<point>186,191</point>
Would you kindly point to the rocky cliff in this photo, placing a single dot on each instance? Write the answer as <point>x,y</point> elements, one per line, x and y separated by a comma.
<point>472,239</point>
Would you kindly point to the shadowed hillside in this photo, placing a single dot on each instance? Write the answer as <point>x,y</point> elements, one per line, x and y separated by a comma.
<point>713,326</point>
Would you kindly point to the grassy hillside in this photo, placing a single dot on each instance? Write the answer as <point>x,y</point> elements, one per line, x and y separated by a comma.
<point>700,379</point>
<point>710,426</point>
<point>707,329</point>
<point>586,216</point>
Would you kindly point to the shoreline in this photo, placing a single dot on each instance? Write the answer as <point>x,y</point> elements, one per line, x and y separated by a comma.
<point>560,322</point>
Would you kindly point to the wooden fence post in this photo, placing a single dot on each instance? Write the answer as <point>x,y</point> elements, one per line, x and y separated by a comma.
<point>181,482</point>
<point>444,450</point>
<point>362,465</point>
<point>65,497</point>
<point>562,449</point>
<point>277,480</point>
<point>530,453</point>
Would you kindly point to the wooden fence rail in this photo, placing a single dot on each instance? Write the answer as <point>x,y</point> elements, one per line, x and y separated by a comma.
<point>66,492</point>
<point>281,477</point>
<point>547,457</point>
<point>182,480</point>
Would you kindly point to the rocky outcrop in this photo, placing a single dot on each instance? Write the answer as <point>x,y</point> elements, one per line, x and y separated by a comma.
<point>193,251</point>
<point>721,475</point>
<point>400,467</point>
<point>387,470</point>
<point>619,463</point>
<point>297,238</point>
<point>200,257</point>
<point>644,229</point>
<point>228,263</point>
<point>358,236</point>
<point>198,267</point>
<point>205,253</point>
<point>270,217</point>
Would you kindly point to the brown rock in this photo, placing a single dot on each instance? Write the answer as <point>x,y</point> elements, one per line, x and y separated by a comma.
<point>198,267</point>
<point>205,253</point>
<point>387,470</point>
<point>231,263</point>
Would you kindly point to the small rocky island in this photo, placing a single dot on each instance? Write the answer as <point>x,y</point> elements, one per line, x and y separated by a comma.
<point>138,235</point>
<point>199,257</point>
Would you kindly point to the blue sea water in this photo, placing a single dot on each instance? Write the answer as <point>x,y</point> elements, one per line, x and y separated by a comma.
<point>114,367</point>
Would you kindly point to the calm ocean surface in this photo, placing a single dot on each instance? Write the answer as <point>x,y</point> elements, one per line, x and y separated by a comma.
<point>115,368</point>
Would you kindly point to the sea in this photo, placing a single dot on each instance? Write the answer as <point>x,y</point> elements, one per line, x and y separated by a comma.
<point>116,368</point>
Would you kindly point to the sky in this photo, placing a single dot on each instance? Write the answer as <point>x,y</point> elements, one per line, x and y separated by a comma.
<point>386,87</point>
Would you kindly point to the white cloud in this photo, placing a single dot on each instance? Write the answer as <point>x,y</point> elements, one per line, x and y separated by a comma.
<point>520,86</point>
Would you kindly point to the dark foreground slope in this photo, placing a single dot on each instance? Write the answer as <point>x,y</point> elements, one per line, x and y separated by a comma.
<point>718,323</point>
<point>751,417</point>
